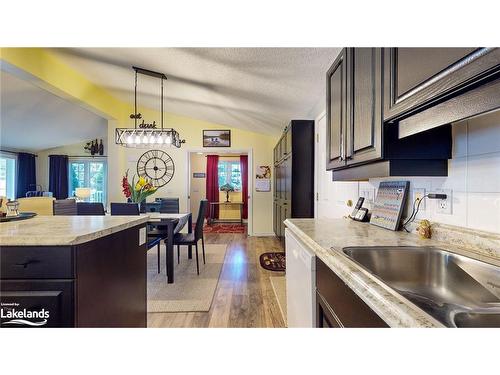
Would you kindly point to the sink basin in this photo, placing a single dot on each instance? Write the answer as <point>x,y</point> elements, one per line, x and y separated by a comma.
<point>457,291</point>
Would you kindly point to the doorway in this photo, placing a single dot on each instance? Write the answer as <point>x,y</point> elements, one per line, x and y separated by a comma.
<point>229,175</point>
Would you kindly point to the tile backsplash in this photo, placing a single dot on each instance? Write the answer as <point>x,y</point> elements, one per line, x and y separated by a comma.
<point>473,177</point>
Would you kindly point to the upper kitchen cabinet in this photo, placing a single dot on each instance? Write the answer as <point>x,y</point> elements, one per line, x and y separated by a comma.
<point>364,105</point>
<point>336,113</point>
<point>359,146</point>
<point>429,87</point>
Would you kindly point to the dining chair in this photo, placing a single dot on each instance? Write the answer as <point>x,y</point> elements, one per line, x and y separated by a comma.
<point>132,209</point>
<point>169,205</point>
<point>90,208</point>
<point>190,239</point>
<point>64,207</point>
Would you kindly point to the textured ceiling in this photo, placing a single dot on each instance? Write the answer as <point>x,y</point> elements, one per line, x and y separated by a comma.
<point>258,89</point>
<point>33,119</point>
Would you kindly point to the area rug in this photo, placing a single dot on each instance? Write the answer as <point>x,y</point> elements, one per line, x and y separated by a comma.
<point>273,261</point>
<point>279,287</point>
<point>225,228</point>
<point>189,292</point>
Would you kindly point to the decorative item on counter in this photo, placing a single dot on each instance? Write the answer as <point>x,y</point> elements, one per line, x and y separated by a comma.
<point>424,229</point>
<point>12,208</point>
<point>137,192</point>
<point>227,188</point>
<point>82,193</point>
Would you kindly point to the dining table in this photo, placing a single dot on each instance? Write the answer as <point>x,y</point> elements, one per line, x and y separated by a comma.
<point>174,224</point>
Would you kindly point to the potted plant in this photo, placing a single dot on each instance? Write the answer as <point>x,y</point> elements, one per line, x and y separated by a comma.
<point>137,192</point>
<point>227,188</point>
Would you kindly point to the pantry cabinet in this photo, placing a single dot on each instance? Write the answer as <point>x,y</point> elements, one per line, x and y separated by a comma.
<point>293,174</point>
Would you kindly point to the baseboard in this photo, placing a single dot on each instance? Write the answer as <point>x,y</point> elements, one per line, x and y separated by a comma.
<point>263,235</point>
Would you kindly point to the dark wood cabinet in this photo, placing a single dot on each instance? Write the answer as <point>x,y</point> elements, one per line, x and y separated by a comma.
<point>338,306</point>
<point>336,114</point>
<point>364,105</point>
<point>293,175</point>
<point>100,283</point>
<point>420,77</point>
<point>359,145</point>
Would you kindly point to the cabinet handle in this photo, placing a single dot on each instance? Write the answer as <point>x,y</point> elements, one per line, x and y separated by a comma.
<point>26,264</point>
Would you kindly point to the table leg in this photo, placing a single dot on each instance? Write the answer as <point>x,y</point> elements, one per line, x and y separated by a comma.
<point>170,251</point>
<point>190,230</point>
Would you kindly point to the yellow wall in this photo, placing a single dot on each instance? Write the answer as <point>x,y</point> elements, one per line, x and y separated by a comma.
<point>56,76</point>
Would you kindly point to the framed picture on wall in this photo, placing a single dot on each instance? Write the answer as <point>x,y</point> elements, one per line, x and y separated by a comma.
<point>216,138</point>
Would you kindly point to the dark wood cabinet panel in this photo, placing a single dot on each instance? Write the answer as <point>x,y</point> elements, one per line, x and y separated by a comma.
<point>341,306</point>
<point>294,175</point>
<point>364,107</point>
<point>417,78</point>
<point>336,114</point>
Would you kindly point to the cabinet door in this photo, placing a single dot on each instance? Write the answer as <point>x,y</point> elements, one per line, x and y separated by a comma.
<point>288,141</point>
<point>51,298</point>
<point>336,113</point>
<point>287,179</point>
<point>276,213</point>
<point>416,77</point>
<point>364,104</point>
<point>284,215</point>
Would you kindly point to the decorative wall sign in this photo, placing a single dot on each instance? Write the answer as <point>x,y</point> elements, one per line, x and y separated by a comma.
<point>216,138</point>
<point>263,178</point>
<point>156,166</point>
<point>199,175</point>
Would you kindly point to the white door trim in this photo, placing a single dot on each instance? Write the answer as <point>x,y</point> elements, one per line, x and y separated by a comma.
<point>317,164</point>
<point>223,150</point>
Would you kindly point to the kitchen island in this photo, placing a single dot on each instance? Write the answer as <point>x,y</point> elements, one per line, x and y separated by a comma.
<point>73,271</point>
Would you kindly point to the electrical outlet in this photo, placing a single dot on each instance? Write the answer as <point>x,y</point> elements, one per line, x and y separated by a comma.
<point>444,206</point>
<point>419,193</point>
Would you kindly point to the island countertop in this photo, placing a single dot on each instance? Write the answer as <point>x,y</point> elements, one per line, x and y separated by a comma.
<point>327,237</point>
<point>64,230</point>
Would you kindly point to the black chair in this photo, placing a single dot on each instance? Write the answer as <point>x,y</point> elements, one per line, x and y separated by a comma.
<point>169,205</point>
<point>90,209</point>
<point>189,239</point>
<point>64,207</point>
<point>132,209</point>
<point>125,209</point>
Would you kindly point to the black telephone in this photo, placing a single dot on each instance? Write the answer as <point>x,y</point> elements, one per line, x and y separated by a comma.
<point>359,213</point>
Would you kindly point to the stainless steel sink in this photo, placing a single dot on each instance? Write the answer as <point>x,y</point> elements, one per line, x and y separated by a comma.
<point>456,290</point>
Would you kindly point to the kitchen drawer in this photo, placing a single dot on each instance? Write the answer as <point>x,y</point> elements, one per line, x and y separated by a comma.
<point>349,310</point>
<point>36,262</point>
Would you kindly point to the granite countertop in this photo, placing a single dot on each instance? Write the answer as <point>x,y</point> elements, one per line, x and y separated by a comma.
<point>63,230</point>
<point>327,237</point>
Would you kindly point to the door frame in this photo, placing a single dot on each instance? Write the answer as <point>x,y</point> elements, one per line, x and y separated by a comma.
<point>223,150</point>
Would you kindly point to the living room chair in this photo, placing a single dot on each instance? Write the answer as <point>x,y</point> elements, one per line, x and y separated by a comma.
<point>190,239</point>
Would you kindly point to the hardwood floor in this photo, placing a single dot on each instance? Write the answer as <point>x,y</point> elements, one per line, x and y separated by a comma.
<point>244,295</point>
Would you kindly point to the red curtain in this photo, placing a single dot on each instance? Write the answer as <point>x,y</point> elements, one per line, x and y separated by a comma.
<point>244,183</point>
<point>212,183</point>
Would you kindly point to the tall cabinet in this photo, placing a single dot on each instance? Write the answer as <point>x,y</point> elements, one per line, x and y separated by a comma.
<point>293,174</point>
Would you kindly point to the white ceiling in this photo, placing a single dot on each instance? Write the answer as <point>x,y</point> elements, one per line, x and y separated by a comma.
<point>259,89</point>
<point>33,119</point>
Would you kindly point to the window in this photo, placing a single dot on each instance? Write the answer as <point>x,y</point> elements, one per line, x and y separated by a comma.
<point>91,174</point>
<point>230,173</point>
<point>7,176</point>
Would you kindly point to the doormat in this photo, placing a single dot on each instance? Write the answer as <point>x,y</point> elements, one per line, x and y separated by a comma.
<point>273,261</point>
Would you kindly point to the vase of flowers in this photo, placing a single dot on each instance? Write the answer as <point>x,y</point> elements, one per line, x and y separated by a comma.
<point>137,192</point>
<point>227,188</point>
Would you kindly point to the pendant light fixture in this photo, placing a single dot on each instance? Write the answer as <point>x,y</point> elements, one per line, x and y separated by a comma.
<point>143,134</point>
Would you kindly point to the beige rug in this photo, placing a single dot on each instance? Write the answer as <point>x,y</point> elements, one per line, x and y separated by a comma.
<point>279,287</point>
<point>189,292</point>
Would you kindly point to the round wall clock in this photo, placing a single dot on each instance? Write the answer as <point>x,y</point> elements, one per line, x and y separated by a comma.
<point>156,166</point>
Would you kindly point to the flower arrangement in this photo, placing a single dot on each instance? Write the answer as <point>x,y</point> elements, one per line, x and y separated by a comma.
<point>137,192</point>
<point>227,188</point>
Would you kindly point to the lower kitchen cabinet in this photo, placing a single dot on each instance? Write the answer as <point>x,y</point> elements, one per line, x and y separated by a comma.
<point>338,306</point>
